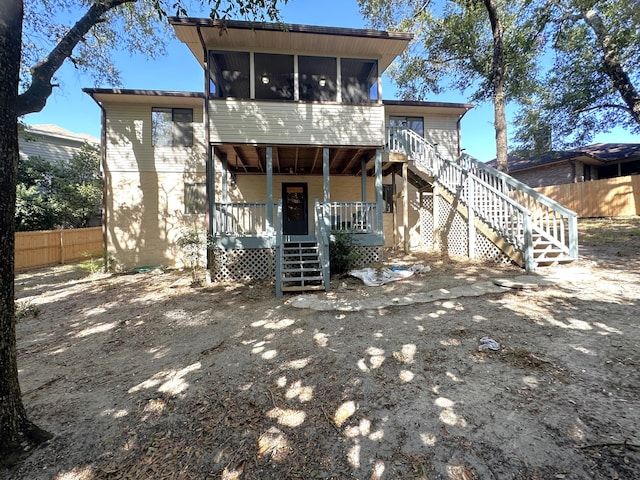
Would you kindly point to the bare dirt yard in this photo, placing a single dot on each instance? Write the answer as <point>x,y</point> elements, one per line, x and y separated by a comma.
<point>143,376</point>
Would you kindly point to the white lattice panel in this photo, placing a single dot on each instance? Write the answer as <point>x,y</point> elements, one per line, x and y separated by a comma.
<point>369,255</point>
<point>452,229</point>
<point>244,265</point>
<point>487,250</point>
<point>426,221</point>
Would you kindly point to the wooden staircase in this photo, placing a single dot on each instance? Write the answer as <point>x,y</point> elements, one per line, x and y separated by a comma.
<point>530,228</point>
<point>301,267</point>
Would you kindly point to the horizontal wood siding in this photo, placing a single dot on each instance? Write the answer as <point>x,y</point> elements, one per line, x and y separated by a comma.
<point>52,149</point>
<point>612,197</point>
<point>129,145</point>
<point>146,215</point>
<point>286,123</point>
<point>443,131</point>
<point>53,247</point>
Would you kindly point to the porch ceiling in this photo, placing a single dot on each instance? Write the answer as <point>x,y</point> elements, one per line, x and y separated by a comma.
<point>296,160</point>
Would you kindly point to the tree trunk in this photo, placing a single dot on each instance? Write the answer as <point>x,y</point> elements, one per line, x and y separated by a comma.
<point>497,82</point>
<point>17,431</point>
<point>612,66</point>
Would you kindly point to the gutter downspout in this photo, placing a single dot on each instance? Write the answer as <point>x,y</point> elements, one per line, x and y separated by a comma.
<point>209,156</point>
<point>103,168</point>
<point>458,131</point>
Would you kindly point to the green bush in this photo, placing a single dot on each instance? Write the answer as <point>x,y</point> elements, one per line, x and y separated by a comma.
<point>343,253</point>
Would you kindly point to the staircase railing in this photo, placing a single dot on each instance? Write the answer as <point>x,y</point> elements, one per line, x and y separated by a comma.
<point>511,208</point>
<point>322,237</point>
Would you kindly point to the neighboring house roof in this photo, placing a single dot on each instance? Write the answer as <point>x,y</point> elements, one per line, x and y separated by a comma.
<point>273,37</point>
<point>596,154</point>
<point>51,142</point>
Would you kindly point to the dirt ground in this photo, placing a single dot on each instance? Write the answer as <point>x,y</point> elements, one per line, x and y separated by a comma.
<point>142,376</point>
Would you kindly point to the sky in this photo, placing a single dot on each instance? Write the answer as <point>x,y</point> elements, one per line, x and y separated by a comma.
<point>75,111</point>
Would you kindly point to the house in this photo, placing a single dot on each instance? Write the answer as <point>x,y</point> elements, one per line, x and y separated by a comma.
<point>290,143</point>
<point>592,162</point>
<point>52,143</point>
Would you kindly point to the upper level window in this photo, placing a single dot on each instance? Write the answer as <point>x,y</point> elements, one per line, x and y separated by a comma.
<point>318,78</point>
<point>172,127</point>
<point>359,80</point>
<point>412,123</point>
<point>230,74</point>
<point>273,76</point>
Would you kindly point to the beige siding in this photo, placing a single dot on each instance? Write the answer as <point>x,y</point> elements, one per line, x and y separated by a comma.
<point>252,122</point>
<point>129,146</point>
<point>443,130</point>
<point>145,217</point>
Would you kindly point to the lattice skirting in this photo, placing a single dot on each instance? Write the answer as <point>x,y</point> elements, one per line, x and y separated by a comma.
<point>369,255</point>
<point>259,264</point>
<point>450,232</point>
<point>244,265</point>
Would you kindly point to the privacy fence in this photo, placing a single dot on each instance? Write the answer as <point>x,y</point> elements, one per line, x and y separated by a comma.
<point>53,247</point>
<point>611,197</point>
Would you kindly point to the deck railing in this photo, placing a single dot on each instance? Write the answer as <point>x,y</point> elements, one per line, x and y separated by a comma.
<point>510,207</point>
<point>355,217</point>
<point>242,219</point>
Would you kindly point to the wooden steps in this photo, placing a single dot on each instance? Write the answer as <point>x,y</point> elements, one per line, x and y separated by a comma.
<point>301,269</point>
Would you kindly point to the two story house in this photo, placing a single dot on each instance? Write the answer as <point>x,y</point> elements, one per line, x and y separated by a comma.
<point>290,142</point>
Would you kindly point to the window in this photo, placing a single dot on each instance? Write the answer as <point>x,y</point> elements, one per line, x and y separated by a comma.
<point>359,80</point>
<point>172,127</point>
<point>318,78</point>
<point>274,76</point>
<point>412,123</point>
<point>195,198</point>
<point>230,74</point>
<point>387,197</point>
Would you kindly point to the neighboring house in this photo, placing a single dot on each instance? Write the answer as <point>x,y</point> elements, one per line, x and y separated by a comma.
<point>290,142</point>
<point>593,162</point>
<point>52,143</point>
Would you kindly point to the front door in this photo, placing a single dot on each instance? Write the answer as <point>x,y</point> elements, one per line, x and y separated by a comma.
<point>295,219</point>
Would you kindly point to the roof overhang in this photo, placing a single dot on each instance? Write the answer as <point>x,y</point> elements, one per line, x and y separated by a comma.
<point>157,97</point>
<point>289,38</point>
<point>402,107</point>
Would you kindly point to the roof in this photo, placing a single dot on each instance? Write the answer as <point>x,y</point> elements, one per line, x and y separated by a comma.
<point>134,95</point>
<point>596,154</point>
<point>290,38</point>
<point>56,131</point>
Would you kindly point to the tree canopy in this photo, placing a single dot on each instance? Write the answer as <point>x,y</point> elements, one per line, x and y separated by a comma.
<point>28,65</point>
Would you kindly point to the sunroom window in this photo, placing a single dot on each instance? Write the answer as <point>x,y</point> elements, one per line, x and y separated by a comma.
<point>318,78</point>
<point>359,80</point>
<point>273,76</point>
<point>230,74</point>
<point>172,127</point>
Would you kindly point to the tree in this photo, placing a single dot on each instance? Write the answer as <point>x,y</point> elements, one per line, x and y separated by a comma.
<point>488,46</point>
<point>63,194</point>
<point>592,84</point>
<point>99,21</point>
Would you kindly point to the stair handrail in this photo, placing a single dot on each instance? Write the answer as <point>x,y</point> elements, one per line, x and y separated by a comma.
<point>322,237</point>
<point>279,258</point>
<point>427,158</point>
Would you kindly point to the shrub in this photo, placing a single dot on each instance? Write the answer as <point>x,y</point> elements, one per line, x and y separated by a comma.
<point>343,253</point>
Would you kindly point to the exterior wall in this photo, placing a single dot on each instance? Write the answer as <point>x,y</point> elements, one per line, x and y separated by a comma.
<point>261,122</point>
<point>554,174</point>
<point>48,147</point>
<point>442,130</point>
<point>144,188</point>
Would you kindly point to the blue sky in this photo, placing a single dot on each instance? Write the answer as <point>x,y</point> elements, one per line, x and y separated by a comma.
<point>70,108</point>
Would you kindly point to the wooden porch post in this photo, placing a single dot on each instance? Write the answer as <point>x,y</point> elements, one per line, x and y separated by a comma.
<point>225,178</point>
<point>394,214</point>
<point>405,205</point>
<point>270,187</point>
<point>363,179</point>
<point>326,190</point>
<point>211,189</point>
<point>379,202</point>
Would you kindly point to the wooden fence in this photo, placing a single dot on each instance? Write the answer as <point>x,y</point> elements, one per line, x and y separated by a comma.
<point>611,197</point>
<point>53,247</point>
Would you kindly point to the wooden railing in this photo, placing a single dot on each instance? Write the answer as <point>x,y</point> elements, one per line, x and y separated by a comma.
<point>355,217</point>
<point>510,207</point>
<point>242,219</point>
